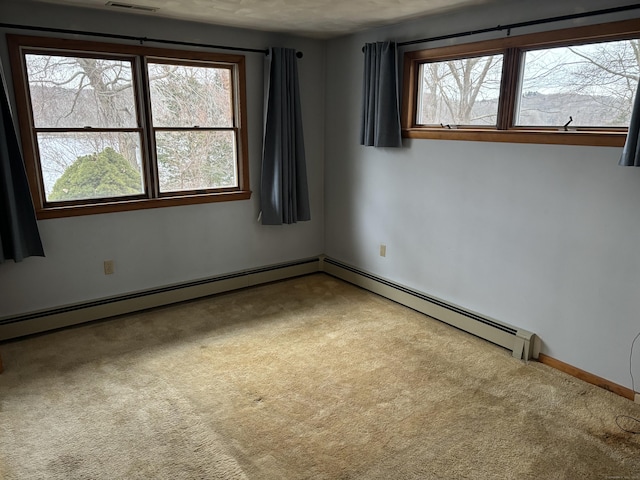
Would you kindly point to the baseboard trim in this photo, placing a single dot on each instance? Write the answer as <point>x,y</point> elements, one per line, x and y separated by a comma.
<point>523,344</point>
<point>51,319</point>
<point>587,377</point>
<point>526,344</point>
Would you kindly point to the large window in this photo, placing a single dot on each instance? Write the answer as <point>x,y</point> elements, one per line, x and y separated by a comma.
<point>112,127</point>
<point>573,86</point>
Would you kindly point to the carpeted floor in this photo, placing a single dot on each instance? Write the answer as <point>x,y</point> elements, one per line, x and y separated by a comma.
<point>309,378</point>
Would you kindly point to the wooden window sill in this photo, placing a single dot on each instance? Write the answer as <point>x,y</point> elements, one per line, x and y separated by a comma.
<point>554,137</point>
<point>127,205</point>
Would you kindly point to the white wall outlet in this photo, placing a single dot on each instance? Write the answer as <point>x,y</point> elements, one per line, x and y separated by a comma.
<point>109,267</point>
<point>383,250</point>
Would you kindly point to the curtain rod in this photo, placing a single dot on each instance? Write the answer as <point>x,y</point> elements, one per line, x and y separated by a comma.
<point>524,24</point>
<point>137,39</point>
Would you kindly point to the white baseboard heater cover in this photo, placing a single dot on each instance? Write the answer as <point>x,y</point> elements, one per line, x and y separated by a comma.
<point>59,317</point>
<point>523,344</point>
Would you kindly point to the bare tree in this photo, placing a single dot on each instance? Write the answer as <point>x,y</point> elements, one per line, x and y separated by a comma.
<point>81,93</point>
<point>593,84</point>
<point>588,85</point>
<point>197,98</point>
<point>92,93</point>
<point>452,90</point>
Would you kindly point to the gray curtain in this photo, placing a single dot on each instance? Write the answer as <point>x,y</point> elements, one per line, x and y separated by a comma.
<point>631,151</point>
<point>284,196</point>
<point>19,237</point>
<point>380,125</point>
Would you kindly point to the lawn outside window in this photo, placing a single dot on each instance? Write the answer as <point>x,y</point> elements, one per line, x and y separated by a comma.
<point>110,127</point>
<point>573,86</point>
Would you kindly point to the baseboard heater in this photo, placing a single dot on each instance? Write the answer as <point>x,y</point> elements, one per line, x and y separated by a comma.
<point>51,319</point>
<point>523,344</point>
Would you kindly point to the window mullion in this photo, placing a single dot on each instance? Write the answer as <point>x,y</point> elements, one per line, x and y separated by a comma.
<point>509,88</point>
<point>149,141</point>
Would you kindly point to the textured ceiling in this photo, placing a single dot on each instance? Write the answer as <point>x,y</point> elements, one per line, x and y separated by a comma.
<point>312,18</point>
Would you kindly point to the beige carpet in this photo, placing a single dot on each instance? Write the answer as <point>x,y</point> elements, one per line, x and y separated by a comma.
<point>305,379</point>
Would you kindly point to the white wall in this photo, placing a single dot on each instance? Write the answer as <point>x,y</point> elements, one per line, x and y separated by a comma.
<point>169,245</point>
<point>543,237</point>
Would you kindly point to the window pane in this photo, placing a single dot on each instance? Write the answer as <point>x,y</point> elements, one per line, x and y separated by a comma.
<point>460,92</point>
<point>593,84</point>
<point>75,92</point>
<point>196,160</point>
<point>188,96</point>
<point>78,165</point>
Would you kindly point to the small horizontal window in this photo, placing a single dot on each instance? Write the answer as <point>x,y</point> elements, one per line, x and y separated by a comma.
<point>460,91</point>
<point>582,86</point>
<point>112,127</point>
<point>573,86</point>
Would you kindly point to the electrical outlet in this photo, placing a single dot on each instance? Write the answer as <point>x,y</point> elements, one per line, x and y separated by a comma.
<point>383,250</point>
<point>637,398</point>
<point>109,268</point>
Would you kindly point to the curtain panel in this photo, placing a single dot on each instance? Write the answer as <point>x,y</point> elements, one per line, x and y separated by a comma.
<point>284,195</point>
<point>631,152</point>
<point>380,120</point>
<point>19,236</point>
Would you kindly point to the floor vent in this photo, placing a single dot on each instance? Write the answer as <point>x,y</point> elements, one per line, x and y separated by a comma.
<point>522,343</point>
